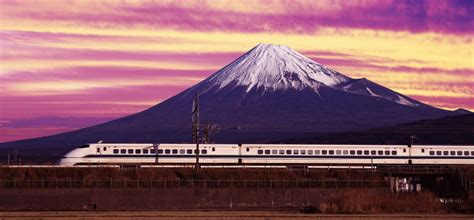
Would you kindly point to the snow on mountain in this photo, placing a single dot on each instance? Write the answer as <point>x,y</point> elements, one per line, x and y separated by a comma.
<point>275,67</point>
<point>366,87</point>
<point>278,68</point>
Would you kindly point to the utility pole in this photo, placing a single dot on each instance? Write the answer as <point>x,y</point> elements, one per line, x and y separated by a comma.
<point>412,138</point>
<point>206,133</point>
<point>195,127</point>
<point>15,155</point>
<point>209,131</point>
<point>155,147</point>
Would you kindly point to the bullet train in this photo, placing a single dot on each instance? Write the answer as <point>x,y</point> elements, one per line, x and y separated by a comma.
<point>266,154</point>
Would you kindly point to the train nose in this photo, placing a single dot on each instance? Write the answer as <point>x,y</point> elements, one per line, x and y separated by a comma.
<point>71,158</point>
<point>66,162</point>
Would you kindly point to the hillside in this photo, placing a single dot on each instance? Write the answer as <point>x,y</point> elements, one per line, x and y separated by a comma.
<point>452,130</point>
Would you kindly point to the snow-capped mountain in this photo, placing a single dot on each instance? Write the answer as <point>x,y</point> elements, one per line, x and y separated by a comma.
<point>275,67</point>
<point>270,68</point>
<point>270,93</point>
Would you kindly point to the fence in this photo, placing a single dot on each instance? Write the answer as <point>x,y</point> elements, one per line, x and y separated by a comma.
<point>117,184</point>
<point>419,169</point>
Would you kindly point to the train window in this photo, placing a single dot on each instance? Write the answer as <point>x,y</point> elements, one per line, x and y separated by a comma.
<point>296,152</point>
<point>274,151</point>
<point>288,151</point>
<point>105,149</point>
<point>352,152</point>
<point>260,152</point>
<point>189,151</point>
<point>167,151</point>
<point>303,151</point>
<point>123,151</point>
<point>432,153</point>
<point>248,149</point>
<point>345,152</point>
<point>394,152</point>
<point>324,152</point>
<point>466,153</point>
<point>452,153</point>
<point>138,151</point>
<point>445,152</point>
<point>175,151</point>
<point>387,152</point>
<point>152,151</point>
<point>438,153</point>
<point>145,151</point>
<point>213,149</point>
<point>281,151</point>
<point>316,152</point>
<point>331,152</point>
<point>373,152</point>
<point>459,153</point>
<point>404,150</point>
<point>160,151</point>
<point>310,152</point>
<point>366,152</point>
<point>204,151</point>
<point>98,150</point>
<point>380,152</point>
<point>130,151</point>
<point>338,152</point>
<point>472,153</point>
<point>182,151</point>
<point>359,152</point>
<point>422,150</point>
<point>116,151</point>
<point>267,151</point>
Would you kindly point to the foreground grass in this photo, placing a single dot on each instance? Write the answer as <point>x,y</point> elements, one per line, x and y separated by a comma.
<point>211,215</point>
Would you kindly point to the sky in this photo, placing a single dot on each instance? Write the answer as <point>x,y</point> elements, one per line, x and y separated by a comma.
<point>70,64</point>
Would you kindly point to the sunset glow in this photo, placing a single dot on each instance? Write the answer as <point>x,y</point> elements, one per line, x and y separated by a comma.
<point>65,65</point>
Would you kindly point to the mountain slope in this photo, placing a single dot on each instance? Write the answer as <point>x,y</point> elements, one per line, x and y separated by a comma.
<point>451,130</point>
<point>274,67</point>
<point>270,93</point>
<point>366,87</point>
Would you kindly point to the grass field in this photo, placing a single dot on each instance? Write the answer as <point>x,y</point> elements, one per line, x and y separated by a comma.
<point>210,215</point>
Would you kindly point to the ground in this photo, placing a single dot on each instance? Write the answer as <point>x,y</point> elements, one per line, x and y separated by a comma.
<point>211,215</point>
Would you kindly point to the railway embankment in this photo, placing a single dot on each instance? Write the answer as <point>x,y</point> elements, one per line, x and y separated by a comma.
<point>93,173</point>
<point>315,200</point>
<point>315,190</point>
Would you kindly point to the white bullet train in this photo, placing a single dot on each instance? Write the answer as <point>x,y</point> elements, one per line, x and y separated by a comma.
<point>266,154</point>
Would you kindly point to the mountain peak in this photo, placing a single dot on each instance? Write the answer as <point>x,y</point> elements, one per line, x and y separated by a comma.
<point>462,111</point>
<point>275,67</point>
<point>269,47</point>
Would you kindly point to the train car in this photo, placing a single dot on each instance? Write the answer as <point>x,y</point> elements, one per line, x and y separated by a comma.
<point>324,154</point>
<point>266,154</point>
<point>432,154</point>
<point>149,154</point>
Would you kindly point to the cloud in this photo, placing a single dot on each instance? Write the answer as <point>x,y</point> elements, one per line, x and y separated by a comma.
<point>63,122</point>
<point>12,134</point>
<point>33,52</point>
<point>447,102</point>
<point>446,16</point>
<point>389,66</point>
